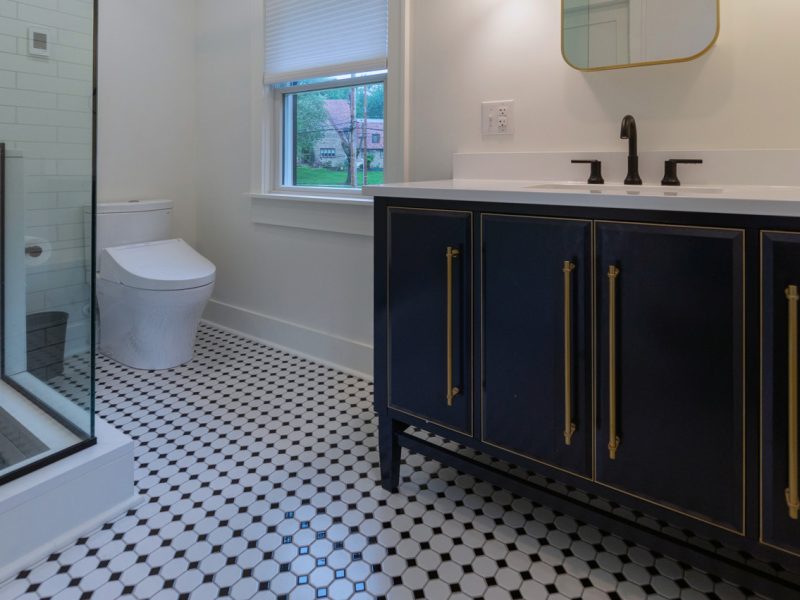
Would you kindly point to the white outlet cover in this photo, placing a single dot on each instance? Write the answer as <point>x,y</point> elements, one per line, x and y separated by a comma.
<point>497,117</point>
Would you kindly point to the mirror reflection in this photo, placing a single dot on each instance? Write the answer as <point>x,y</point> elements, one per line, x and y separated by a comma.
<point>607,34</point>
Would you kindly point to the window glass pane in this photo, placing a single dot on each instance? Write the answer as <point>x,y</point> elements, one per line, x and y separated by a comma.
<point>334,137</point>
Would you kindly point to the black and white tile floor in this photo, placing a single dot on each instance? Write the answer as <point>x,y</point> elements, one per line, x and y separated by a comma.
<point>259,472</point>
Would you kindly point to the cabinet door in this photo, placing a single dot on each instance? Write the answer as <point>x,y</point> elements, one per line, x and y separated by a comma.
<point>536,312</point>
<point>429,291</point>
<point>779,418</point>
<point>670,373</point>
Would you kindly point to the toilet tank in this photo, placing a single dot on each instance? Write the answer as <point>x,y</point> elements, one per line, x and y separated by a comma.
<point>132,222</point>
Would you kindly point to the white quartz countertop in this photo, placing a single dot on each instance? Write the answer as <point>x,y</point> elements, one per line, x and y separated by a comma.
<point>748,200</point>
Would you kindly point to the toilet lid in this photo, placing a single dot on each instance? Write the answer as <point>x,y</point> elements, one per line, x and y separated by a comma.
<point>163,265</point>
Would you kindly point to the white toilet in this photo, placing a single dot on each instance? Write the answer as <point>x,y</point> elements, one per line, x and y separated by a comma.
<point>151,291</point>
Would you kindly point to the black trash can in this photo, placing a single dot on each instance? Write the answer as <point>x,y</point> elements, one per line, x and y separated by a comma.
<point>46,334</point>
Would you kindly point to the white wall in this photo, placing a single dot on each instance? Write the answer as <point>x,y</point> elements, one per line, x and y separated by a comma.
<point>146,101</point>
<point>743,94</point>
<point>310,290</point>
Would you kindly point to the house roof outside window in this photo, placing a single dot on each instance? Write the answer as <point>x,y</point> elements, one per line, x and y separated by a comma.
<point>339,115</point>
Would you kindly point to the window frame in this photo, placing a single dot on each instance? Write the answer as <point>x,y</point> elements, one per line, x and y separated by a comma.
<point>282,144</point>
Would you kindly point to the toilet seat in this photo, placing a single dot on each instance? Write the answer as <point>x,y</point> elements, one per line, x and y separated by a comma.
<point>166,265</point>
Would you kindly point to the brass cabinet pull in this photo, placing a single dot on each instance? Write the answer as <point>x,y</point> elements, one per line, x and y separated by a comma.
<point>569,426</point>
<point>792,499</point>
<point>613,443</point>
<point>452,391</point>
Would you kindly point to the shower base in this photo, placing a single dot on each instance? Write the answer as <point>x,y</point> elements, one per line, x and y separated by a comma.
<point>16,442</point>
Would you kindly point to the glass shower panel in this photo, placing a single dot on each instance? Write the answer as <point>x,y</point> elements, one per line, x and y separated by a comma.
<point>46,195</point>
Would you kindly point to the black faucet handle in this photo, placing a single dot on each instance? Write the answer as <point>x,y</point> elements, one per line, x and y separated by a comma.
<point>671,169</point>
<point>596,175</point>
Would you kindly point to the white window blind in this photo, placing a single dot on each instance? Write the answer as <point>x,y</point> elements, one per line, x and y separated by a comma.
<point>306,39</point>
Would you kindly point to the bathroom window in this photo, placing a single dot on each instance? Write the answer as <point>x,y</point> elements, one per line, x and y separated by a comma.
<point>332,135</point>
<point>327,93</point>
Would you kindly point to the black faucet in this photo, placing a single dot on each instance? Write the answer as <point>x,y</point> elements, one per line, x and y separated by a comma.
<point>596,176</point>
<point>628,132</point>
<point>671,169</point>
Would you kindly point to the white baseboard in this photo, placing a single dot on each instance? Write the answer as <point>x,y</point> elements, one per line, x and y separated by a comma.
<point>347,355</point>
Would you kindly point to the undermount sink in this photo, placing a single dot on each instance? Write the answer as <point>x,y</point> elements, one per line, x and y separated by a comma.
<point>630,190</point>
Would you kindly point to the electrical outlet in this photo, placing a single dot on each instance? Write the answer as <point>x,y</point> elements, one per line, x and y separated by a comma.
<point>497,117</point>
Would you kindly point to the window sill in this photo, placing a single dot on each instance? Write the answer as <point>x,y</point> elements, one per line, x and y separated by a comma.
<point>338,214</point>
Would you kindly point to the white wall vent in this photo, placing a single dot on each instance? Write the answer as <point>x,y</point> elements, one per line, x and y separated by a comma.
<point>39,40</point>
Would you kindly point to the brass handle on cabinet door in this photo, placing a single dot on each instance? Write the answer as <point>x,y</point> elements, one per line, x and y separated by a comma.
<point>792,499</point>
<point>613,443</point>
<point>569,426</point>
<point>452,391</point>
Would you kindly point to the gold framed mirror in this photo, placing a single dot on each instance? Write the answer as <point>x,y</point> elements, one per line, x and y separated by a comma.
<point>614,34</point>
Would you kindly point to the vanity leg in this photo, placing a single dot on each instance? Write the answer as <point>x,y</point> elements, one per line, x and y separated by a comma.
<point>389,450</point>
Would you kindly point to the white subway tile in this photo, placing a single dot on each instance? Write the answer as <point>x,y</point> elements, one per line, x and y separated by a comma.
<point>40,282</point>
<point>65,258</point>
<point>8,9</point>
<point>29,98</point>
<point>49,4</point>
<point>74,199</point>
<point>72,231</point>
<point>50,166</point>
<point>35,301</point>
<point>8,79</point>
<point>59,184</point>
<point>63,53</point>
<point>28,133</point>
<point>53,217</point>
<point>38,166</point>
<point>46,233</point>
<point>75,167</point>
<point>75,71</point>
<point>41,201</point>
<point>75,39</point>
<point>8,43</point>
<point>76,7</point>
<point>27,64</point>
<point>75,103</point>
<point>13,27</point>
<point>75,135</point>
<point>55,151</point>
<point>74,243</point>
<point>73,294</point>
<point>52,18</point>
<point>61,118</point>
<point>42,83</point>
<point>8,114</point>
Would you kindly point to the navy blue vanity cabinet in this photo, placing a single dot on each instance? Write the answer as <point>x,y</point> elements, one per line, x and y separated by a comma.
<point>429,287</point>
<point>536,331</point>
<point>780,525</point>
<point>670,375</point>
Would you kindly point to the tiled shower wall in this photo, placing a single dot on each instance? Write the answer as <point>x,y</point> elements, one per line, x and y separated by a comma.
<point>45,111</point>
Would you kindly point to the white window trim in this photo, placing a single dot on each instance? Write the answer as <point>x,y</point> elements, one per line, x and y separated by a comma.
<point>351,216</point>
<point>266,134</point>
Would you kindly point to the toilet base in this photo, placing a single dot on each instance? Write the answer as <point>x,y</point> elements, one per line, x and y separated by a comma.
<point>149,329</point>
